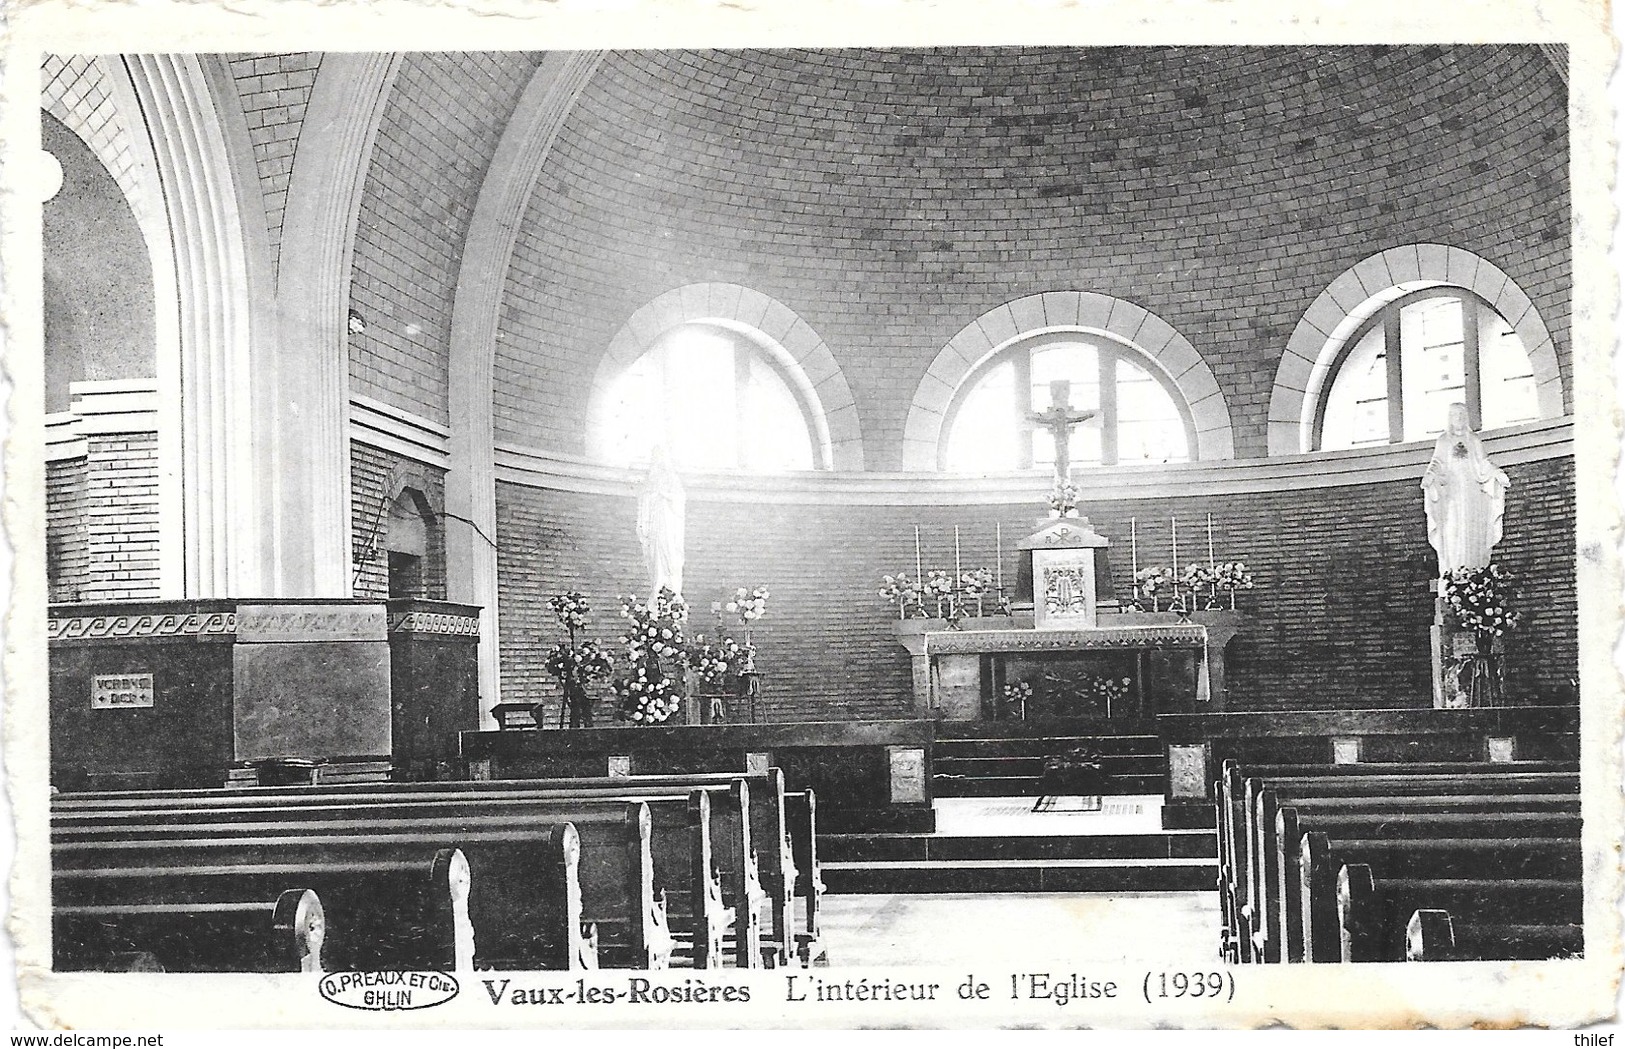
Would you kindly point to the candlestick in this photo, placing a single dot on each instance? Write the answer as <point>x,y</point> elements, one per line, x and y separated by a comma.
<point>1173,526</point>
<point>1133,552</point>
<point>919,570</point>
<point>1210,562</point>
<point>998,553</point>
<point>956,555</point>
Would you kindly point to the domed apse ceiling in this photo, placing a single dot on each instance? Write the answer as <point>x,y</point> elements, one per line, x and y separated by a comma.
<point>891,197</point>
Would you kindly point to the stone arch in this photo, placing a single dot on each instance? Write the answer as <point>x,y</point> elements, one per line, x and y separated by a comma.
<point>1056,311</point>
<point>1364,288</point>
<point>313,296</point>
<point>471,500</point>
<point>769,323</point>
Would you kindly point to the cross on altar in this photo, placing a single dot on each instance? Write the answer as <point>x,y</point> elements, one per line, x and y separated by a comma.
<point>1059,419</point>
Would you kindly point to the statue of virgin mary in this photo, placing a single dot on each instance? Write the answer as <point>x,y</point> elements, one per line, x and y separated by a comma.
<point>1464,495</point>
<point>660,524</point>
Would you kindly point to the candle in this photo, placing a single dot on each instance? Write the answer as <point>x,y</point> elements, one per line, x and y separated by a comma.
<point>919,571</point>
<point>956,555</point>
<point>1173,526</point>
<point>1210,562</point>
<point>1133,551</point>
<point>998,552</point>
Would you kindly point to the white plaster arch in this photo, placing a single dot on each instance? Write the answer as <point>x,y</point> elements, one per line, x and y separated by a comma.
<point>1056,311</point>
<point>1364,288</point>
<point>471,507</point>
<point>330,165</point>
<point>772,326</point>
<point>221,379</point>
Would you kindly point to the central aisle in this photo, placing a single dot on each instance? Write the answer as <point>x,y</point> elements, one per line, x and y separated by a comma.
<point>1021,930</point>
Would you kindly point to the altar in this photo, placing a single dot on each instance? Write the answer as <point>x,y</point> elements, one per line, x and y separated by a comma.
<point>1173,663</point>
<point>1069,648</point>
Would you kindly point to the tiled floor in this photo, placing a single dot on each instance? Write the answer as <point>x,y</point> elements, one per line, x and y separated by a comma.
<point>1170,928</point>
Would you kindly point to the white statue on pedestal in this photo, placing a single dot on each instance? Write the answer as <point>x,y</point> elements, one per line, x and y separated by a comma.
<point>660,524</point>
<point>1464,495</point>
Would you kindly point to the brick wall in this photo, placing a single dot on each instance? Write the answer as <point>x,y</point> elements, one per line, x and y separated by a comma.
<point>274,90</point>
<point>889,198</point>
<point>374,474</point>
<point>1342,603</point>
<point>438,131</point>
<point>67,540</point>
<point>120,512</point>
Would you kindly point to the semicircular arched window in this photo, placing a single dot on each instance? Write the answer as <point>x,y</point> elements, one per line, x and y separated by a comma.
<point>1139,417</point>
<point>716,400</point>
<point>1451,346</point>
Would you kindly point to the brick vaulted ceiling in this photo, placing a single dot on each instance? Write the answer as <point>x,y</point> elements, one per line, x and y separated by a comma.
<point>891,197</point>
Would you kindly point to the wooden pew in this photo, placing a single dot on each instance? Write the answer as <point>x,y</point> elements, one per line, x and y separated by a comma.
<point>774,872</point>
<point>1243,833</point>
<point>283,934</point>
<point>1322,858</point>
<point>1373,913</point>
<point>801,817</point>
<point>1280,885</point>
<point>1432,935</point>
<point>389,902</point>
<point>544,866</point>
<point>1230,802</point>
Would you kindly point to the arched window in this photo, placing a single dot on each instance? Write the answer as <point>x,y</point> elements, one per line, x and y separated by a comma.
<point>1139,417</point>
<point>715,400</point>
<point>1451,346</point>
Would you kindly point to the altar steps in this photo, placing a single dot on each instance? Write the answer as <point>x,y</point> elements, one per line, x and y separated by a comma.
<point>1002,845</point>
<point>1168,861</point>
<point>1000,759</point>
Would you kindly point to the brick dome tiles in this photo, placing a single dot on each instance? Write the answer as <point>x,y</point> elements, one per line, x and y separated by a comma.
<point>890,197</point>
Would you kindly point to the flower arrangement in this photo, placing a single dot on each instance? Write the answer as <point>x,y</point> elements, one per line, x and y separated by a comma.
<point>1232,576</point>
<point>1154,583</point>
<point>712,661</point>
<point>1017,694</point>
<point>1481,600</point>
<point>1198,586</point>
<point>976,582</point>
<point>1112,691</point>
<point>903,592</point>
<point>570,609</point>
<point>651,691</point>
<point>748,605</point>
<point>575,663</point>
<point>1063,498</point>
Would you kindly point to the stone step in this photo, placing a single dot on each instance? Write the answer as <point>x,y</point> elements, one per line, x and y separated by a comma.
<point>864,848</point>
<point>1049,728</point>
<point>1028,786</point>
<point>1033,765</point>
<point>1057,875</point>
<point>1044,746</point>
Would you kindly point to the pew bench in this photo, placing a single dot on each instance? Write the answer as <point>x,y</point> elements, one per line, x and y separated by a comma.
<point>1432,935</point>
<point>389,902</point>
<point>558,884</point>
<point>1373,913</point>
<point>1322,859</point>
<point>282,934</point>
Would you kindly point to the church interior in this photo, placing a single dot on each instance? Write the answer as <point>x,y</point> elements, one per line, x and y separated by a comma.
<point>844,507</point>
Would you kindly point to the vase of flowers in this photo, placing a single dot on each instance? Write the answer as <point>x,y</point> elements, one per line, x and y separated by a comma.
<point>1063,498</point>
<point>905,593</point>
<point>652,689</point>
<point>575,663</point>
<point>1017,694</point>
<point>1480,605</point>
<point>1154,585</point>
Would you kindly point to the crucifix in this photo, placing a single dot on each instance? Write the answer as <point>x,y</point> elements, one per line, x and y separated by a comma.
<point>1059,420</point>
